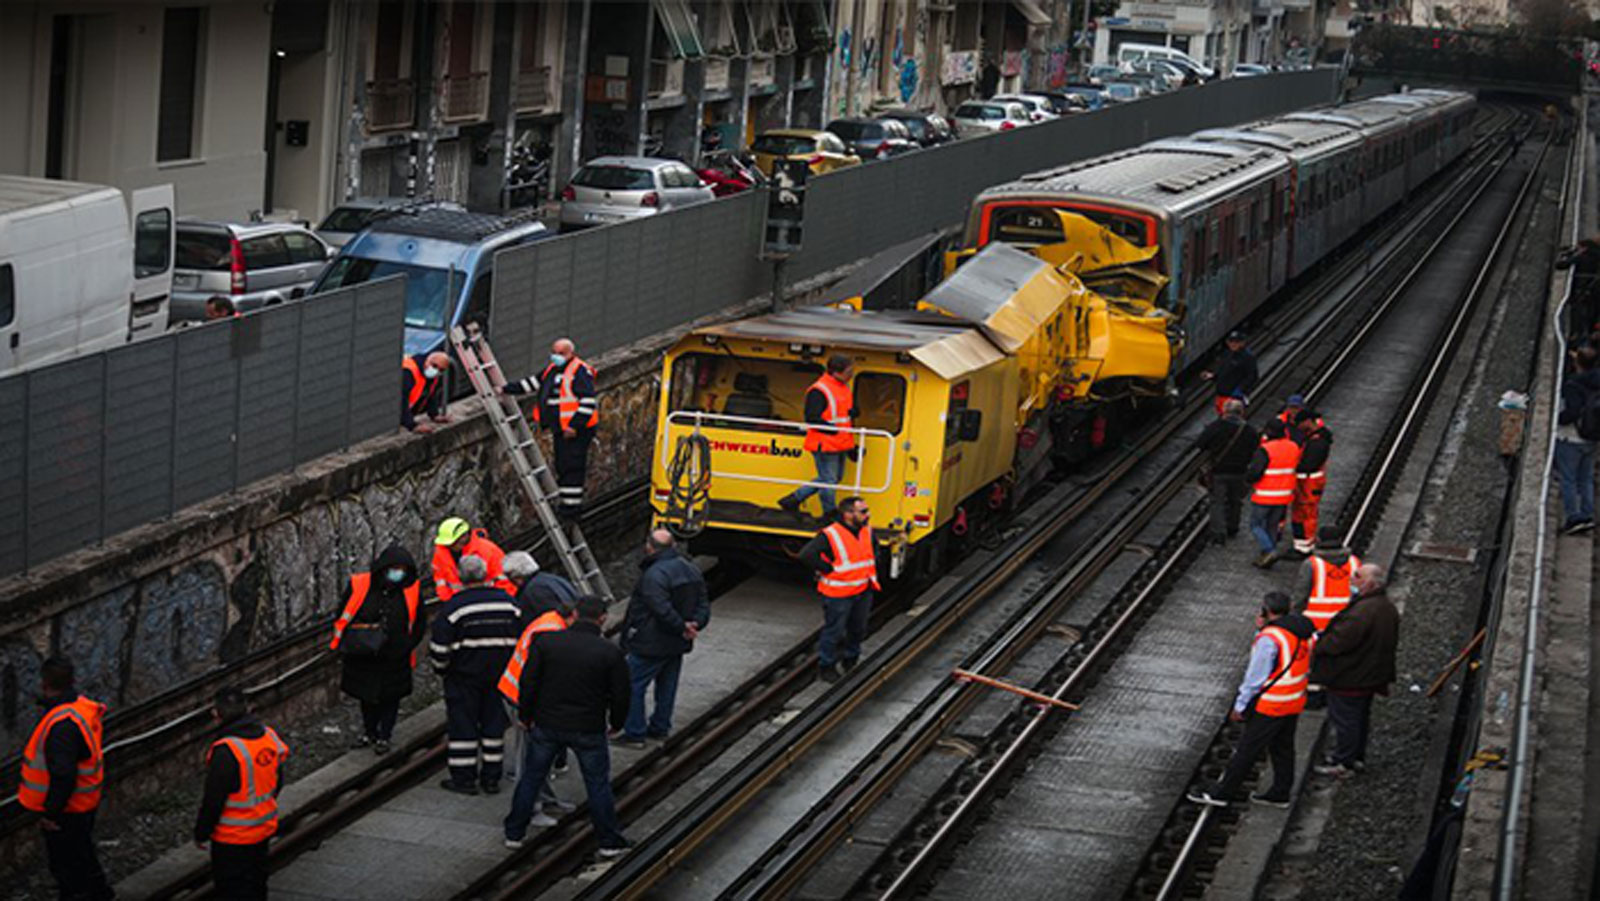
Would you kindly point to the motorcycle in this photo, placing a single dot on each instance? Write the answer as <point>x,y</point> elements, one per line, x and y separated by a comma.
<point>729,172</point>
<point>528,182</point>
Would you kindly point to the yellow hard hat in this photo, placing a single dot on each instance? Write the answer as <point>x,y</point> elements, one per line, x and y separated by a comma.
<point>451,531</point>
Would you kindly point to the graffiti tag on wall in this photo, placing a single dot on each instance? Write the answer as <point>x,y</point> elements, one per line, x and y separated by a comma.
<point>960,67</point>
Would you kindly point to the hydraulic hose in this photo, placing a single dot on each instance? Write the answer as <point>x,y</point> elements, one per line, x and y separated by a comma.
<point>689,498</point>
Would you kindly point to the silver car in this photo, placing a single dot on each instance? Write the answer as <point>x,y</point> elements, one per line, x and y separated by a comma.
<point>619,188</point>
<point>253,265</point>
<point>976,117</point>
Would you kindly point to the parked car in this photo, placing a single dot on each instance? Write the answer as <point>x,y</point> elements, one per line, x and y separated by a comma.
<point>447,257</point>
<point>1129,52</point>
<point>1173,76</point>
<point>344,220</point>
<point>1039,108</point>
<point>83,268</point>
<point>1124,91</point>
<point>824,151</point>
<point>1091,95</point>
<point>619,188</point>
<point>873,139</point>
<point>1152,84</point>
<point>1196,74</point>
<point>1065,104</point>
<point>1099,75</point>
<point>253,265</point>
<point>976,117</point>
<point>1244,70</point>
<point>927,129</point>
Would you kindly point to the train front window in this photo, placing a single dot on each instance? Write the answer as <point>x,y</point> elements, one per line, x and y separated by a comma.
<point>1034,225</point>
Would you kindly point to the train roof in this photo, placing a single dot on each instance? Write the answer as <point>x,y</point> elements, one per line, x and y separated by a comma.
<point>949,347</point>
<point>1367,115</point>
<point>1164,174</point>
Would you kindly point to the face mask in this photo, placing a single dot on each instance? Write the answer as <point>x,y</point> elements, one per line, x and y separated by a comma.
<point>396,575</point>
<point>430,373</point>
<point>558,359</point>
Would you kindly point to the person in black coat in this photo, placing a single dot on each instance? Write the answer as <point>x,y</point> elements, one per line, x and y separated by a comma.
<point>1235,374</point>
<point>669,607</point>
<point>380,680</point>
<point>1229,444</point>
<point>1354,661</point>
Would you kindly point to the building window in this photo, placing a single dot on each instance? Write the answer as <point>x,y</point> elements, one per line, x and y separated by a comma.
<point>181,48</point>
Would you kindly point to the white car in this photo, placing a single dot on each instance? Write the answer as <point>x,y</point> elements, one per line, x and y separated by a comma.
<point>619,188</point>
<point>976,117</point>
<point>1246,69</point>
<point>1039,108</point>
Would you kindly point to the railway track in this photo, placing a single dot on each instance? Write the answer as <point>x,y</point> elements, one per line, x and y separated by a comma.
<point>552,854</point>
<point>1197,838</point>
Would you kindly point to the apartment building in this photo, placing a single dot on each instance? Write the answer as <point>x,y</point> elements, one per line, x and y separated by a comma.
<point>1218,33</point>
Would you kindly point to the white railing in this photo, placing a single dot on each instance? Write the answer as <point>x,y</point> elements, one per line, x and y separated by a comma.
<point>701,421</point>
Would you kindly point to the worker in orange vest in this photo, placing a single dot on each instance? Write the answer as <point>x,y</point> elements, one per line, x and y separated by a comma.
<point>845,561</point>
<point>1310,478</point>
<point>568,406</point>
<point>1290,414</point>
<point>1272,473</point>
<point>830,408</point>
<point>376,635</point>
<point>239,810</point>
<point>456,539</point>
<point>63,770</point>
<point>1269,702</point>
<point>422,390</point>
<point>1325,584</point>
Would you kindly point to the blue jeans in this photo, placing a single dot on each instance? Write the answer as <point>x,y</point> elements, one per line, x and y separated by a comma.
<point>1575,465</point>
<point>844,625</point>
<point>594,761</point>
<point>1266,523</point>
<point>830,469</point>
<point>663,671</point>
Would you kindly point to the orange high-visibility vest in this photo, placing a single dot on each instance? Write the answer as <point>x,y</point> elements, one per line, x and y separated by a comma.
<point>419,385</point>
<point>250,814</point>
<point>88,717</point>
<point>447,579</point>
<point>1286,691</point>
<point>359,584</point>
<point>511,679</point>
<point>840,401</point>
<point>1276,487</point>
<point>855,563</point>
<point>566,400</point>
<point>1330,589</point>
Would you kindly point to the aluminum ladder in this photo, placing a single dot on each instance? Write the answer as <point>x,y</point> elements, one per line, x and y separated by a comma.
<point>538,483</point>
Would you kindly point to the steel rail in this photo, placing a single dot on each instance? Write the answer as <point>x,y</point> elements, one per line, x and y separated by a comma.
<point>1412,419</point>
<point>776,875</point>
<point>1505,875</point>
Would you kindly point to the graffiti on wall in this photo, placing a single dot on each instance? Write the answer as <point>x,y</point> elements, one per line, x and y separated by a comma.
<point>908,80</point>
<point>1056,67</point>
<point>960,67</point>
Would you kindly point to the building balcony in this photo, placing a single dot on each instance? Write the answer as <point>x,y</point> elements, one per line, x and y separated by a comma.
<point>391,104</point>
<point>465,98</point>
<point>666,78</point>
<point>717,77</point>
<point>534,92</point>
<point>763,70</point>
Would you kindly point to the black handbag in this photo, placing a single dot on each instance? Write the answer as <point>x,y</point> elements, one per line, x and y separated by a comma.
<point>362,640</point>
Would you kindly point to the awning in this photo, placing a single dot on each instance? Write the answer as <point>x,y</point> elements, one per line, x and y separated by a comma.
<point>1030,10</point>
<point>683,37</point>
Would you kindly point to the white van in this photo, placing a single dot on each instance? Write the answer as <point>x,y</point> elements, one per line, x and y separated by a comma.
<point>1127,53</point>
<point>81,268</point>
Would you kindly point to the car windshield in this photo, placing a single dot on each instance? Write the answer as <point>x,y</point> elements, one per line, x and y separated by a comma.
<point>783,145</point>
<point>427,301</point>
<point>615,178</point>
<point>855,131</point>
<point>980,111</point>
<point>347,219</point>
<point>1122,90</point>
<point>917,127</point>
<point>208,250</point>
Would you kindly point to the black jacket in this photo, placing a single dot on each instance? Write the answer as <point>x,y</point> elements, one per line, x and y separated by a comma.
<point>1228,444</point>
<point>64,747</point>
<point>432,400</point>
<point>474,634</point>
<point>574,680</point>
<point>670,593</point>
<point>1575,391</point>
<point>544,593</point>
<point>1357,650</point>
<point>222,776</point>
<point>387,676</point>
<point>1236,372</point>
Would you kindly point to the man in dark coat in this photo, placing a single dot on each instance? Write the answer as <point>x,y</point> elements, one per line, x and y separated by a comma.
<point>1235,374</point>
<point>575,683</point>
<point>1229,444</point>
<point>471,641</point>
<point>668,609</point>
<point>380,680</point>
<point>1354,660</point>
